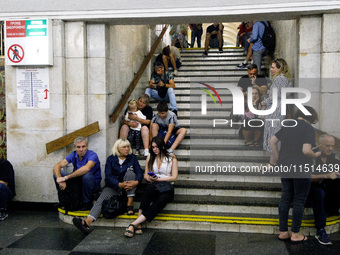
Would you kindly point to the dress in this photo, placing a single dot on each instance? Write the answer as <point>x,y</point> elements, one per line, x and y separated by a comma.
<point>153,202</point>
<point>271,127</point>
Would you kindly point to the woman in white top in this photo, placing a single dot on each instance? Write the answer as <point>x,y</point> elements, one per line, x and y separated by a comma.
<point>161,170</point>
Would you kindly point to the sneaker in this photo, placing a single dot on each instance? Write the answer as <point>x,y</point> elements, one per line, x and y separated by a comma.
<point>205,54</point>
<point>175,72</point>
<point>322,237</point>
<point>3,215</point>
<point>242,66</point>
<point>220,50</point>
<point>146,152</point>
<point>171,151</point>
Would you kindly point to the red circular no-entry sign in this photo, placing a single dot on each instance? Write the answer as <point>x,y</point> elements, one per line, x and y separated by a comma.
<point>15,53</point>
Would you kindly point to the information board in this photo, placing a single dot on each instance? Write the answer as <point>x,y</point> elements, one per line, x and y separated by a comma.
<point>33,88</point>
<point>28,42</point>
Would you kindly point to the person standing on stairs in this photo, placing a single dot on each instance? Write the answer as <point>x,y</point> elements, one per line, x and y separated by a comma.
<point>282,79</point>
<point>296,150</point>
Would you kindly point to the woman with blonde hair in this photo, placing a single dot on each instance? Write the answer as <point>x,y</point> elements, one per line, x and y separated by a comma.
<point>122,172</point>
<point>281,79</point>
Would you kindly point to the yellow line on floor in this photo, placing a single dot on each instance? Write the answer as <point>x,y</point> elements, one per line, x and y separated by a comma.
<point>214,219</point>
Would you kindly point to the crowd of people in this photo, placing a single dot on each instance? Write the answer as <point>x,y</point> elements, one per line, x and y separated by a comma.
<point>160,134</point>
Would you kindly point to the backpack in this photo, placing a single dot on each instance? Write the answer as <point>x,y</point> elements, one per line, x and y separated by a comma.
<point>71,198</point>
<point>268,37</point>
<point>113,207</point>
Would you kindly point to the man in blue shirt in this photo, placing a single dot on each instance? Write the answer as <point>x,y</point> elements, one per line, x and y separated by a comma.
<point>258,48</point>
<point>86,166</point>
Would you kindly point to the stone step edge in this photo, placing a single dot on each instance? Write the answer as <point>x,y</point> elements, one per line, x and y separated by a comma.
<point>211,219</point>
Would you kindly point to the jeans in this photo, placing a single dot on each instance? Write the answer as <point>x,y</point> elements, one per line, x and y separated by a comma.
<point>90,185</point>
<point>245,42</point>
<point>293,191</point>
<point>257,58</point>
<point>196,34</point>
<point>170,96</point>
<point>317,198</point>
<point>6,196</point>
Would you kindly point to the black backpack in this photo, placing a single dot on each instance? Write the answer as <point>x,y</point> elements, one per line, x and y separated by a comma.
<point>71,198</point>
<point>268,37</point>
<point>113,207</point>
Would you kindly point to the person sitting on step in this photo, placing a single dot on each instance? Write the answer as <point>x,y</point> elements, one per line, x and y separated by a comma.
<point>162,86</point>
<point>214,38</point>
<point>122,172</point>
<point>165,124</point>
<point>86,166</point>
<point>161,171</point>
<point>171,58</point>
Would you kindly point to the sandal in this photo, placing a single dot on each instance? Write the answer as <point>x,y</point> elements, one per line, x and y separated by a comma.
<point>128,232</point>
<point>138,231</point>
<point>249,144</point>
<point>257,145</point>
<point>81,225</point>
<point>130,210</point>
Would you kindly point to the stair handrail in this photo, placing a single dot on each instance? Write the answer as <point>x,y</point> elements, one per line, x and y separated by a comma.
<point>138,75</point>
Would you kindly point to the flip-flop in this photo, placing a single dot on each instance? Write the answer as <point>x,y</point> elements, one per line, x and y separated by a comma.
<point>249,144</point>
<point>299,241</point>
<point>283,239</point>
<point>257,145</point>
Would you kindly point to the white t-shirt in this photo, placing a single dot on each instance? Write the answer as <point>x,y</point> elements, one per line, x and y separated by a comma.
<point>140,115</point>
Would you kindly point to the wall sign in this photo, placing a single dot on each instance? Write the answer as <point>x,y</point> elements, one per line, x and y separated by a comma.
<point>33,88</point>
<point>28,42</point>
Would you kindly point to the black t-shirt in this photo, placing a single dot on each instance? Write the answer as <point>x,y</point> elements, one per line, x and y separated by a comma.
<point>7,174</point>
<point>211,29</point>
<point>147,112</point>
<point>292,140</point>
<point>245,82</point>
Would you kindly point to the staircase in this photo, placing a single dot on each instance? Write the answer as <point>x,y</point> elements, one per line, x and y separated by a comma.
<point>230,202</point>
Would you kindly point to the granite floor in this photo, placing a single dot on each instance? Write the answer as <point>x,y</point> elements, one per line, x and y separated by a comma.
<point>41,232</point>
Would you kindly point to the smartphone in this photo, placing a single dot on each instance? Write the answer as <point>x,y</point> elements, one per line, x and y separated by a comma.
<point>316,149</point>
<point>152,174</point>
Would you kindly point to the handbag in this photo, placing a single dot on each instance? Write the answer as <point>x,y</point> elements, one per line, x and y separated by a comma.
<point>163,186</point>
<point>113,207</point>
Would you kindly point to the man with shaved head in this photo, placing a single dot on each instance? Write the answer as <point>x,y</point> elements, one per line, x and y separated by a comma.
<point>324,191</point>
